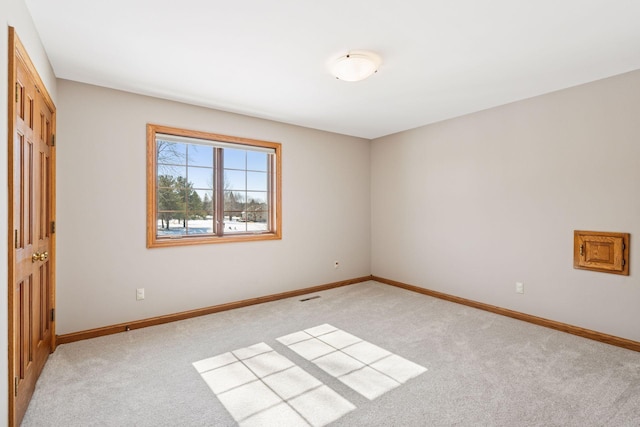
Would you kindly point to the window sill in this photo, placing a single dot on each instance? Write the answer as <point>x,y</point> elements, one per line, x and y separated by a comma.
<point>155,242</point>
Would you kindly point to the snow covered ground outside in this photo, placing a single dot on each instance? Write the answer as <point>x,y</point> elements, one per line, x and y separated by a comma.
<point>205,226</point>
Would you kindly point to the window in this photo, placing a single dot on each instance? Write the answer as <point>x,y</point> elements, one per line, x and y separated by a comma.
<point>208,188</point>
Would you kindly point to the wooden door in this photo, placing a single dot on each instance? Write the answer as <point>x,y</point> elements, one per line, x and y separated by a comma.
<point>31,227</point>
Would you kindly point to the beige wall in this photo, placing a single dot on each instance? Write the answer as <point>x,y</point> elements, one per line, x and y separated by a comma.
<point>102,254</point>
<point>472,205</point>
<point>13,13</point>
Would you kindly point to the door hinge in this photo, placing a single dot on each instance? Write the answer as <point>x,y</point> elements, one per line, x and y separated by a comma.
<point>53,314</point>
<point>53,227</point>
<point>15,238</point>
<point>17,91</point>
<point>15,386</point>
<point>53,140</point>
<point>623,263</point>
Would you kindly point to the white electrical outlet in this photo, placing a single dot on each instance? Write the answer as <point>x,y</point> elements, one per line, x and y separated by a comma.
<point>336,264</point>
<point>140,294</point>
<point>520,287</point>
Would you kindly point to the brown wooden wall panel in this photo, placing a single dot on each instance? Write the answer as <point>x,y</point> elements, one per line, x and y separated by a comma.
<point>602,251</point>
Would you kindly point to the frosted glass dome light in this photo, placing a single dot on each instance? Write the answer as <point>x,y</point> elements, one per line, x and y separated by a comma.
<point>355,66</point>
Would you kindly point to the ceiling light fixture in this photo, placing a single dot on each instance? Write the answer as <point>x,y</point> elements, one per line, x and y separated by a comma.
<point>355,66</point>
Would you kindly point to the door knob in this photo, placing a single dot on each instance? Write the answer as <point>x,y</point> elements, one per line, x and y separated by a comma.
<point>37,256</point>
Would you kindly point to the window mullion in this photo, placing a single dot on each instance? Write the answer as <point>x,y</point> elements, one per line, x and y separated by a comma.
<point>218,184</point>
<point>271,193</point>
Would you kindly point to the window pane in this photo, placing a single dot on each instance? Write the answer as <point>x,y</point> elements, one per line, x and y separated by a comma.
<point>232,216</point>
<point>257,161</point>
<point>233,223</point>
<point>171,152</point>
<point>194,205</point>
<point>200,155</point>
<point>257,181</point>
<point>257,198</point>
<point>235,180</point>
<point>170,224</point>
<point>207,203</point>
<point>234,159</point>
<point>169,200</point>
<point>180,186</point>
<point>257,226</point>
<point>256,210</point>
<point>234,201</point>
<point>200,226</point>
<point>170,174</point>
<point>201,177</point>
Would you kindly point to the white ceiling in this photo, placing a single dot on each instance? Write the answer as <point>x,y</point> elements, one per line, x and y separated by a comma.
<point>269,59</point>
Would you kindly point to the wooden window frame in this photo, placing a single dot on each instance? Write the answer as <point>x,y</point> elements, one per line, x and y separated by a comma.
<point>275,202</point>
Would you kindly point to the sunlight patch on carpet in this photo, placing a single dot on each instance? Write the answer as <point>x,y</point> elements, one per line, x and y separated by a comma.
<point>366,368</point>
<point>259,387</point>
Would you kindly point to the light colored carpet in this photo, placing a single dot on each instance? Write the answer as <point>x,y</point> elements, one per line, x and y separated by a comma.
<point>481,369</point>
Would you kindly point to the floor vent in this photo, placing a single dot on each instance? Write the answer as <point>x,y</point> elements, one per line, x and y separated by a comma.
<point>307,299</point>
